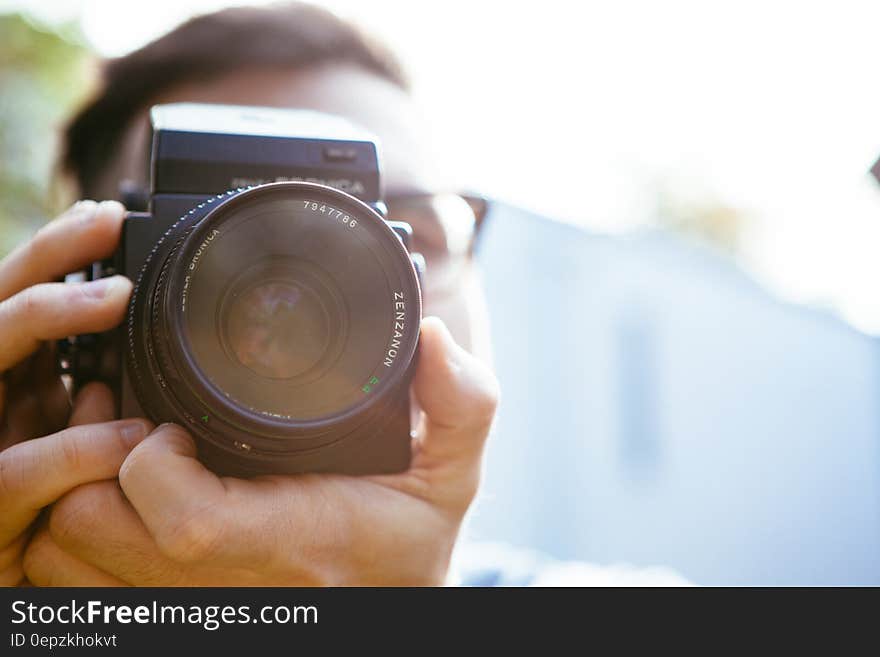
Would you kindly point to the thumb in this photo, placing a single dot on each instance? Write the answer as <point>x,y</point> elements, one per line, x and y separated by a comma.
<point>182,503</point>
<point>458,395</point>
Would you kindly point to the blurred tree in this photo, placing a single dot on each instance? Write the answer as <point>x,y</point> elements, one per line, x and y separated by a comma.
<point>44,73</point>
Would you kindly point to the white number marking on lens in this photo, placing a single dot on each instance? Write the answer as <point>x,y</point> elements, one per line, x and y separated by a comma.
<point>325,209</point>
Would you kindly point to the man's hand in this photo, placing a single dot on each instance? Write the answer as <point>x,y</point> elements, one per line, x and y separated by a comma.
<point>33,401</point>
<point>35,473</point>
<point>173,522</point>
<point>35,311</point>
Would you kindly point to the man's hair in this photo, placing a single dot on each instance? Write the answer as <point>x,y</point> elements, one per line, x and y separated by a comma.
<point>290,36</point>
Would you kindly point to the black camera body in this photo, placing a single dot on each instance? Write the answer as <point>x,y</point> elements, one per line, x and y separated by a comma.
<point>276,312</point>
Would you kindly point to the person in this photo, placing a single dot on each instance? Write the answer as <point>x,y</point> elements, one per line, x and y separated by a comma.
<point>87,499</point>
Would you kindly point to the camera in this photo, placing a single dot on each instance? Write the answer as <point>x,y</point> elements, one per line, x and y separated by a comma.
<point>275,312</point>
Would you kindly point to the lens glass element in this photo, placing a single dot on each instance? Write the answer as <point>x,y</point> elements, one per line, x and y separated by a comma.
<point>294,304</point>
<point>279,326</point>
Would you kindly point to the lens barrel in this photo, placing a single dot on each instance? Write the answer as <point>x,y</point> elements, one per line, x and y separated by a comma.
<point>279,324</point>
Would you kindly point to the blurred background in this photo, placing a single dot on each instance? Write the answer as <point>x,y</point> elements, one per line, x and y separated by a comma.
<point>751,126</point>
<point>706,168</point>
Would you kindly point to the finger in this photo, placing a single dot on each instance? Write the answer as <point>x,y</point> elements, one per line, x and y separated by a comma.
<point>12,552</point>
<point>93,404</point>
<point>121,546</point>
<point>46,564</point>
<point>457,393</point>
<point>14,576</point>
<point>11,572</point>
<point>180,501</point>
<point>51,311</point>
<point>87,232</point>
<point>37,472</point>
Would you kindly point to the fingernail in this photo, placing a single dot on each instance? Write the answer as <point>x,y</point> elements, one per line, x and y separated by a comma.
<point>445,335</point>
<point>85,211</point>
<point>110,206</point>
<point>169,426</point>
<point>100,288</point>
<point>176,433</point>
<point>133,433</point>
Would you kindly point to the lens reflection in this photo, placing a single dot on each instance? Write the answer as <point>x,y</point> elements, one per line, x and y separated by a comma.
<point>278,329</point>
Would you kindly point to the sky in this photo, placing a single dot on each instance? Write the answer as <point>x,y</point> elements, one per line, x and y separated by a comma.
<point>583,110</point>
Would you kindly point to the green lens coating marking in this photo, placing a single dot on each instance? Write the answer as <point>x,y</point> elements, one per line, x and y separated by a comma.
<point>205,419</point>
<point>369,386</point>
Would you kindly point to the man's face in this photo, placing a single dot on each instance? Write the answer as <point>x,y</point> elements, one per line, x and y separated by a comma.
<point>366,99</point>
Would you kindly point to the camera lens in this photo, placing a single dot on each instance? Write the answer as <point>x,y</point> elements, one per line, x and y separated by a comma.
<point>277,328</point>
<point>282,316</point>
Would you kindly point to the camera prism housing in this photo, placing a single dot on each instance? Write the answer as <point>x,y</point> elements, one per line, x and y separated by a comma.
<point>275,312</point>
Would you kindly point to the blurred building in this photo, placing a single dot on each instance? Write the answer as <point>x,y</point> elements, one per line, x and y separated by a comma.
<point>659,408</point>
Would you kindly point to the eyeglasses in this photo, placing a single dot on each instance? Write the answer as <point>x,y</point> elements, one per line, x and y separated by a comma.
<point>445,231</point>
